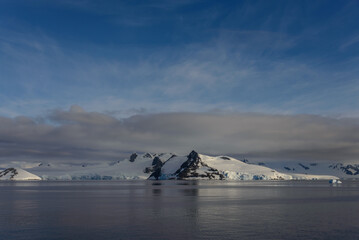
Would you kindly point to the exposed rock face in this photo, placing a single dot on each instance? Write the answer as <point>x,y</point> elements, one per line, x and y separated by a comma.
<point>165,166</point>
<point>43,164</point>
<point>156,165</point>
<point>303,166</point>
<point>192,168</point>
<point>11,171</point>
<point>157,162</point>
<point>347,169</point>
<point>133,157</point>
<point>189,167</point>
<point>17,174</point>
<point>147,155</point>
<point>156,174</point>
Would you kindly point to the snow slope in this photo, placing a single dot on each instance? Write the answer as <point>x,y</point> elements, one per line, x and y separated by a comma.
<point>340,170</point>
<point>17,174</point>
<point>199,166</point>
<point>193,166</point>
<point>136,167</point>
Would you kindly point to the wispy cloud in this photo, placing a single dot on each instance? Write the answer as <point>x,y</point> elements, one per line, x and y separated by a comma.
<point>79,135</point>
<point>236,59</point>
<point>218,74</point>
<point>349,43</point>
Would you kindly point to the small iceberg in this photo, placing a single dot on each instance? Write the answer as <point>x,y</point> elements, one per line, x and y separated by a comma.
<point>334,181</point>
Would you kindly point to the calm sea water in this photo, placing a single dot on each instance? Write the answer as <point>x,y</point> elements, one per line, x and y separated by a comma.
<point>179,210</point>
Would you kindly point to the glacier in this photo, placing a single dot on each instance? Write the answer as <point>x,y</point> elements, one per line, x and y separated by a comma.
<point>166,166</point>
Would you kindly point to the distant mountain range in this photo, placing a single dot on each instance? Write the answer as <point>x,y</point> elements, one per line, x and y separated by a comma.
<point>167,166</point>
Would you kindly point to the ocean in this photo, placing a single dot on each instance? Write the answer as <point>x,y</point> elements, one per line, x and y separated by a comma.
<point>179,210</point>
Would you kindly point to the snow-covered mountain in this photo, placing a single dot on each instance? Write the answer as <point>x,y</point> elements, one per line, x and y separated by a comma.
<point>340,170</point>
<point>198,166</point>
<point>17,174</point>
<point>137,166</point>
<point>192,166</point>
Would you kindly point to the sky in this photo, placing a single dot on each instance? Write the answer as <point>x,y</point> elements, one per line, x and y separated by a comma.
<point>96,80</point>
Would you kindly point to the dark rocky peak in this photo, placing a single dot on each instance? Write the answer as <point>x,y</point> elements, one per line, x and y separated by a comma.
<point>133,157</point>
<point>187,169</point>
<point>194,162</point>
<point>350,169</point>
<point>147,155</point>
<point>189,166</point>
<point>157,161</point>
<point>193,155</point>
<point>156,166</point>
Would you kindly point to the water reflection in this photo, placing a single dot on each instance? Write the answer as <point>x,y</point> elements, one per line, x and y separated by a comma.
<point>156,191</point>
<point>157,183</point>
<point>177,209</point>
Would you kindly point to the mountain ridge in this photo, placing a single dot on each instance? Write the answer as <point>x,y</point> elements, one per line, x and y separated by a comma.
<point>164,166</point>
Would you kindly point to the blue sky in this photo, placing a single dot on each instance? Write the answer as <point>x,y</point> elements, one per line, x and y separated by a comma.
<point>127,57</point>
<point>95,80</point>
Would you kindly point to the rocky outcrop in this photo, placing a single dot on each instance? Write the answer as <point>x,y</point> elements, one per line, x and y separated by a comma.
<point>12,172</point>
<point>133,157</point>
<point>350,169</point>
<point>192,168</point>
<point>156,165</point>
<point>17,174</point>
